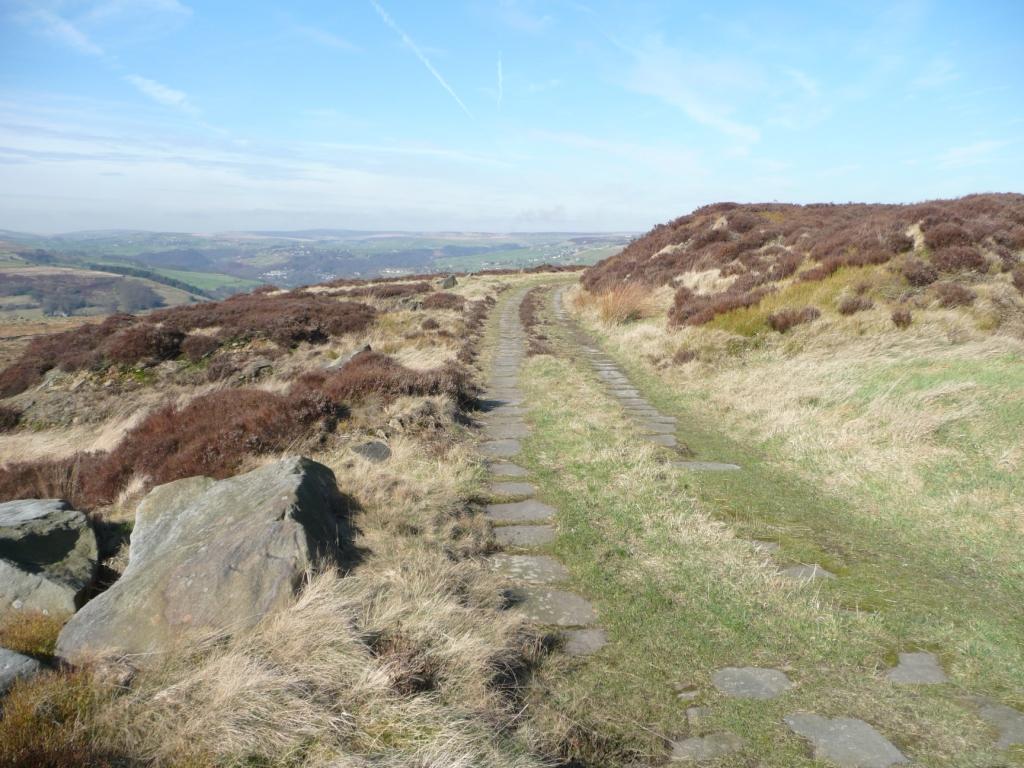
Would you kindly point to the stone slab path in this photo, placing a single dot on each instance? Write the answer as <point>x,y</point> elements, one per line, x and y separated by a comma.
<point>527,524</point>
<point>524,525</point>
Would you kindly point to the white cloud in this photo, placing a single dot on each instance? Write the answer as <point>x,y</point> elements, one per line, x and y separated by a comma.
<point>411,45</point>
<point>663,73</point>
<point>323,37</point>
<point>63,31</point>
<point>513,14</point>
<point>160,93</point>
<point>970,154</point>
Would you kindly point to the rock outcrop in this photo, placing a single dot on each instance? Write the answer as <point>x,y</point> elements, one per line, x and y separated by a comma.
<point>209,556</point>
<point>48,556</point>
<point>15,666</point>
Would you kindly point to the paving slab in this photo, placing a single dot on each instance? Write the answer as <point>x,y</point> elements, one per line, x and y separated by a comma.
<point>751,682</point>
<point>845,741</point>
<point>765,547</point>
<point>917,668</point>
<point>507,469</point>
<point>1008,722</point>
<point>806,573</point>
<point>706,466</point>
<point>524,536</point>
<point>500,448</point>
<point>534,569</point>
<point>512,489</point>
<point>555,607</point>
<point>584,642</point>
<point>657,428</point>
<point>666,441</point>
<point>503,431</point>
<point>528,511</point>
<point>700,749</point>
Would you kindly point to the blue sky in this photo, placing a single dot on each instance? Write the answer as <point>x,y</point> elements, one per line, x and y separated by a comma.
<point>503,115</point>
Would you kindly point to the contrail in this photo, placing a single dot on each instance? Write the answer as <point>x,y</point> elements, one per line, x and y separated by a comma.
<point>501,82</point>
<point>408,41</point>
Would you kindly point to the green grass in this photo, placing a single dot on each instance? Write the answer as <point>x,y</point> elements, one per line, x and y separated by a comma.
<point>206,281</point>
<point>680,597</point>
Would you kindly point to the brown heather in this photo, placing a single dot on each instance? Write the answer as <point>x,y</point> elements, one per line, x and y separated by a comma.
<point>958,258</point>
<point>760,244</point>
<point>785,319</point>
<point>9,418</point>
<point>444,300</point>
<point>902,318</point>
<point>919,273</point>
<point>852,304</point>
<point>285,319</point>
<point>954,295</point>
<point>1017,277</point>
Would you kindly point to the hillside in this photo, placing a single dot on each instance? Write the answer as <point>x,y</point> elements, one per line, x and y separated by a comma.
<point>775,257</point>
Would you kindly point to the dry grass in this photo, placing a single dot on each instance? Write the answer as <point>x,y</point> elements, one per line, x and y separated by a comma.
<point>620,305</point>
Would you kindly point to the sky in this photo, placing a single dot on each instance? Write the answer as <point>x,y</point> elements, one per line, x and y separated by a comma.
<point>500,115</point>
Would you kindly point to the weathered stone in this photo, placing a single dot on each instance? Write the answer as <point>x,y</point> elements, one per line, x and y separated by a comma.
<point>523,536</point>
<point>751,682</point>
<point>342,360</point>
<point>48,556</point>
<point>13,667</point>
<point>213,555</point>
<point>512,489</point>
<point>695,716</point>
<point>765,547</point>
<point>706,466</point>
<point>449,282</point>
<point>501,449</point>
<point>528,511</point>
<point>667,441</point>
<point>699,749</point>
<point>584,642</point>
<point>499,431</point>
<point>256,370</point>
<point>917,669</point>
<point>845,741</point>
<point>373,450</point>
<point>535,569</point>
<point>555,607</point>
<point>807,573</point>
<point>1008,722</point>
<point>507,469</point>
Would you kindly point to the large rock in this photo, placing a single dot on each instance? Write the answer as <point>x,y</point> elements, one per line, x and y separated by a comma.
<point>211,555</point>
<point>14,667</point>
<point>48,556</point>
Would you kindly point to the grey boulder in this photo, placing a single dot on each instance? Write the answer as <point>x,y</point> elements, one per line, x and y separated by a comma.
<point>449,282</point>
<point>48,556</point>
<point>214,556</point>
<point>13,667</point>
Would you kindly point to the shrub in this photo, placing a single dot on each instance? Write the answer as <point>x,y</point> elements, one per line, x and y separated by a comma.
<point>919,273</point>
<point>143,343</point>
<point>389,290</point>
<point>374,375</point>
<point>196,346</point>
<point>853,304</point>
<point>684,355</point>
<point>1017,277</point>
<point>690,309</point>
<point>902,318</point>
<point>899,242</point>
<point>946,234</point>
<point>212,435</point>
<point>958,258</point>
<point>624,303</point>
<point>430,324</point>
<point>954,295</point>
<point>444,300</point>
<point>9,418</point>
<point>785,319</point>
<point>43,723</point>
